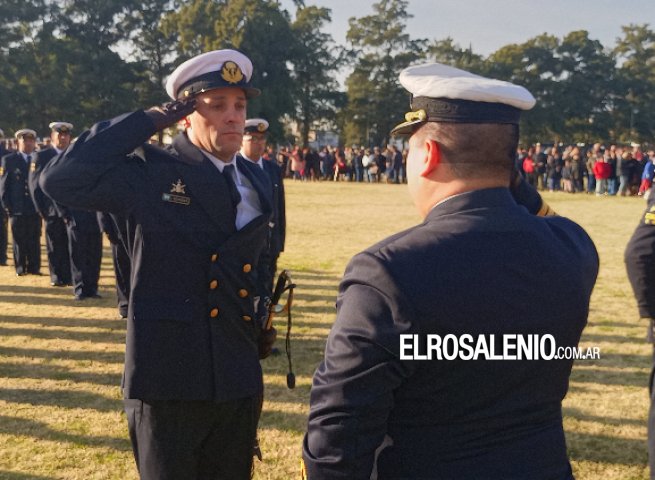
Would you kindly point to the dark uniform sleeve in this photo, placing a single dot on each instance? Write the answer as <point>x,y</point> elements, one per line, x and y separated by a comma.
<point>38,197</point>
<point>526,195</point>
<point>95,173</point>
<point>640,261</point>
<point>353,388</point>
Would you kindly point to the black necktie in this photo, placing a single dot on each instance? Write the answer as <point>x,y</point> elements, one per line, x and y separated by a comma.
<point>235,196</point>
<point>29,158</point>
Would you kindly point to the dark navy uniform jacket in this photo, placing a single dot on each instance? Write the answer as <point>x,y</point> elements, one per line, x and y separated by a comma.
<point>190,332</point>
<point>640,263</point>
<point>44,204</point>
<point>479,264</point>
<point>14,191</point>
<point>279,220</point>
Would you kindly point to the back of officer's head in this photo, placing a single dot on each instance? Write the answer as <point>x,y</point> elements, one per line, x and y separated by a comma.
<point>473,119</point>
<point>474,150</point>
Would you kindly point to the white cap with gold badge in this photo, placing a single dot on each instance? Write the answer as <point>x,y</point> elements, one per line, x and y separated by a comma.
<point>25,132</point>
<point>62,127</point>
<point>255,125</point>
<point>215,69</point>
<point>440,93</point>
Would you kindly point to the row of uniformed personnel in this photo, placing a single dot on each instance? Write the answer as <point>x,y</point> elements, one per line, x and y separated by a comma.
<point>73,238</point>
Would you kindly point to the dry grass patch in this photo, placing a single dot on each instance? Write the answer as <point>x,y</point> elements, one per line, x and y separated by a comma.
<point>60,361</point>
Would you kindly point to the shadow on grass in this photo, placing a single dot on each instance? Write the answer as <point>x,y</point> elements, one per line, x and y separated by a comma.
<point>610,377</point>
<point>285,421</point>
<point>595,338</point>
<point>61,301</point>
<point>61,399</point>
<point>83,355</point>
<point>22,476</point>
<point>111,324</point>
<point>40,430</point>
<point>606,449</point>
<point>54,372</point>
<point>54,334</point>
<point>580,415</point>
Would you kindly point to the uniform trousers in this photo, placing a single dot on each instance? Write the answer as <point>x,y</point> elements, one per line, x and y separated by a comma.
<point>56,239</point>
<point>192,440</point>
<point>26,232</point>
<point>85,254</point>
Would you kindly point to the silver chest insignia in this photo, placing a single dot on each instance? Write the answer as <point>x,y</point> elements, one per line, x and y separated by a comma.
<point>176,195</point>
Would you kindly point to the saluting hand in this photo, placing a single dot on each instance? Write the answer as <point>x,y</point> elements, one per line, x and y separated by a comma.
<point>169,113</point>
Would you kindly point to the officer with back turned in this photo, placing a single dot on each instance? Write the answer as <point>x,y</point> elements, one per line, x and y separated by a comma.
<point>374,412</point>
<point>640,264</point>
<point>197,219</point>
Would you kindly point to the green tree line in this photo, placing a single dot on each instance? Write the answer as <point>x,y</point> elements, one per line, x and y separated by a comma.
<point>87,60</point>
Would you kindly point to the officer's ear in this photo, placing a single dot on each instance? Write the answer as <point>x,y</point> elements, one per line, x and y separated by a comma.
<point>432,157</point>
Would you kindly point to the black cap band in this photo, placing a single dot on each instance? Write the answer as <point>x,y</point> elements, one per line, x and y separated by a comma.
<point>465,111</point>
<point>210,81</point>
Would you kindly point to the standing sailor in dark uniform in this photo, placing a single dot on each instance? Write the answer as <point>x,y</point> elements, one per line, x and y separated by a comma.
<point>640,264</point>
<point>85,250</point>
<point>3,215</point>
<point>55,228</point>
<point>17,202</point>
<point>252,149</point>
<point>375,412</point>
<point>197,218</point>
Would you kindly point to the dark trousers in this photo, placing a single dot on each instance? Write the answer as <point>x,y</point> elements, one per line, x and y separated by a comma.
<point>122,270</point>
<point>193,440</point>
<point>85,254</point>
<point>26,232</point>
<point>56,242</point>
<point>3,237</point>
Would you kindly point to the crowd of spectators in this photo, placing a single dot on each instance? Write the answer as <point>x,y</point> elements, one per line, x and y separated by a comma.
<point>613,170</point>
<point>353,164</point>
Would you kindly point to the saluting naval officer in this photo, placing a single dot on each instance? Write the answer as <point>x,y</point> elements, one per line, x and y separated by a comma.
<point>252,149</point>
<point>377,413</point>
<point>640,264</point>
<point>17,202</point>
<point>197,218</point>
<point>55,229</point>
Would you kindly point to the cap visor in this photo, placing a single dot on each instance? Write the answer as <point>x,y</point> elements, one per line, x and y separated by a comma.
<point>406,128</point>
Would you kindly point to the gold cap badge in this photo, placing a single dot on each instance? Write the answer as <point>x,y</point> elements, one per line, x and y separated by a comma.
<point>231,73</point>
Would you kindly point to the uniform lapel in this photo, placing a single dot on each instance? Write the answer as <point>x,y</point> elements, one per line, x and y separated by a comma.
<point>204,183</point>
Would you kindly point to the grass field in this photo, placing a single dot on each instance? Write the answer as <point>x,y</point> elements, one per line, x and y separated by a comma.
<point>60,361</point>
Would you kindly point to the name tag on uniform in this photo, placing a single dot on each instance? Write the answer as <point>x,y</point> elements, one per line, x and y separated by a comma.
<point>179,199</point>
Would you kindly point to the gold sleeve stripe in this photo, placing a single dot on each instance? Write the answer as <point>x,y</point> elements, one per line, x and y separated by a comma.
<point>545,210</point>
